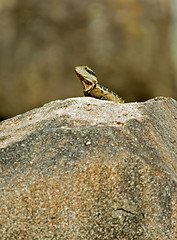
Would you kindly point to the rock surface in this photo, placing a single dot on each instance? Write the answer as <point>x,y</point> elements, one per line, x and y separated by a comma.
<point>83,168</point>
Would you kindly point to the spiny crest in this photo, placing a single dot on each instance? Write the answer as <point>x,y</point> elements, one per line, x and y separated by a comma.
<point>110,91</point>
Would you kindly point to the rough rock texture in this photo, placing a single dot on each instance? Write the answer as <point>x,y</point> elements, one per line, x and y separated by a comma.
<point>90,169</point>
<point>131,45</point>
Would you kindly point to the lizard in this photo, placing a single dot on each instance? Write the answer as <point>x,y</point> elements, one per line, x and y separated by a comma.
<point>91,87</point>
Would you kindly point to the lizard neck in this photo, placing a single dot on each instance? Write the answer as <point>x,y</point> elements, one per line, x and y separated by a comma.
<point>87,93</point>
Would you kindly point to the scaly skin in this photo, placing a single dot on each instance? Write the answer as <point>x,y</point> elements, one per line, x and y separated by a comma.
<point>92,88</point>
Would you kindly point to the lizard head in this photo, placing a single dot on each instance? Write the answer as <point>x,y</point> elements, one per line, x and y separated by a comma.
<point>87,77</point>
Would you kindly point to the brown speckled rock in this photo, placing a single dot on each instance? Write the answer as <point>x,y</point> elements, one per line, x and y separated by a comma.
<point>90,169</point>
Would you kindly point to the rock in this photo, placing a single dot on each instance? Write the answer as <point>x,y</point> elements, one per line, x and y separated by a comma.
<point>84,168</point>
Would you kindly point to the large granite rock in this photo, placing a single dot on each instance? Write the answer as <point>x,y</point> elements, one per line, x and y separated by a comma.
<point>90,169</point>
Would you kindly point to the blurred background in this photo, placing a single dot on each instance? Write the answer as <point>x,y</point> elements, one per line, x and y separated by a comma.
<point>131,45</point>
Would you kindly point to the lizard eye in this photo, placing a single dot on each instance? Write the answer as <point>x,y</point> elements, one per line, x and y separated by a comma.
<point>89,71</point>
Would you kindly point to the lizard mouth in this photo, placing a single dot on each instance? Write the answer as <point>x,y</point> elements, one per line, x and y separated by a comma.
<point>87,85</point>
<point>80,76</point>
